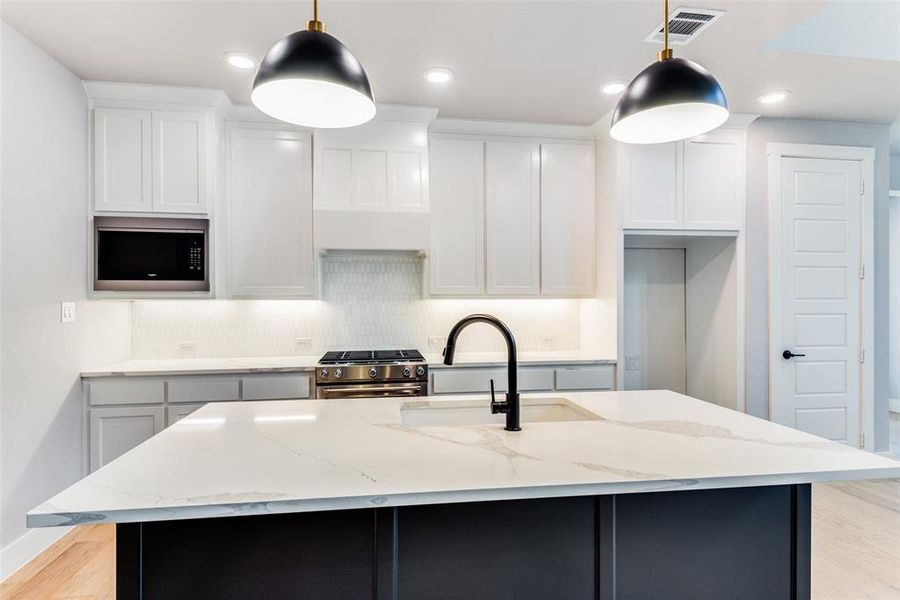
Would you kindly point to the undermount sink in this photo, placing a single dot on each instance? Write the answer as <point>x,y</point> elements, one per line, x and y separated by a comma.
<point>478,412</point>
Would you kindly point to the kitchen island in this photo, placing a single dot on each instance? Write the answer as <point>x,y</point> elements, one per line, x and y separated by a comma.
<point>602,495</point>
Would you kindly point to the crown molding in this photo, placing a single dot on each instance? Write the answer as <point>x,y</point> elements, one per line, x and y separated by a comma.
<point>112,93</point>
<point>510,129</point>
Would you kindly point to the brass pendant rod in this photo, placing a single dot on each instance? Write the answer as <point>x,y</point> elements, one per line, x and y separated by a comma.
<point>315,24</point>
<point>665,53</point>
<point>316,16</point>
<point>665,24</point>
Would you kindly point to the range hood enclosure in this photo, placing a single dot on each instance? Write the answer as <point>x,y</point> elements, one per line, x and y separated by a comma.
<point>358,230</point>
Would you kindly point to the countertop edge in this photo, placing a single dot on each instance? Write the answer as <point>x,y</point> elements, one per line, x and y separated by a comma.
<point>103,372</point>
<point>237,509</point>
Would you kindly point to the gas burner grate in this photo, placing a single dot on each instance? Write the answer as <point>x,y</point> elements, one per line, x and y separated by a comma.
<point>371,356</point>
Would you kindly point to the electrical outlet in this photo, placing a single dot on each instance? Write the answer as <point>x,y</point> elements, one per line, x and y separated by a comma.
<point>302,343</point>
<point>187,349</point>
<point>435,342</point>
<point>632,363</point>
<point>67,312</point>
<point>548,341</point>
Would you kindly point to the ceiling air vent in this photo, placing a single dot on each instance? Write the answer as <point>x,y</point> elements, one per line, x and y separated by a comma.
<point>685,24</point>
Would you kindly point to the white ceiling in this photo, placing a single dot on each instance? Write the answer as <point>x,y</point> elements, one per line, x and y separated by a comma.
<point>528,61</point>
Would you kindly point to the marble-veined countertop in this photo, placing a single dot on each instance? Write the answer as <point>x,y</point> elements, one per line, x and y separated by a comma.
<point>249,458</point>
<point>287,364</point>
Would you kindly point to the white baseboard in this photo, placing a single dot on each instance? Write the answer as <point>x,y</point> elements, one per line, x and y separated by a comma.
<point>894,405</point>
<point>31,543</point>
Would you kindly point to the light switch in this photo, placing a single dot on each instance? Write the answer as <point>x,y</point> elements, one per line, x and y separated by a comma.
<point>67,312</point>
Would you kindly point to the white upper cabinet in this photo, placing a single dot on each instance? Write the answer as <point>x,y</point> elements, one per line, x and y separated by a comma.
<point>457,217</point>
<point>651,189</point>
<point>568,220</point>
<point>697,184</point>
<point>179,162</point>
<point>714,180</point>
<point>122,149</point>
<point>270,214</point>
<point>512,218</point>
<point>151,161</point>
<point>379,166</point>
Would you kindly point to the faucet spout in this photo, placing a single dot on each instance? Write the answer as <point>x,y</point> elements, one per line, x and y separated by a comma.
<point>511,406</point>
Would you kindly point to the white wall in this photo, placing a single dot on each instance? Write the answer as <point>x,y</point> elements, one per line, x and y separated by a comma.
<point>43,252</point>
<point>768,130</point>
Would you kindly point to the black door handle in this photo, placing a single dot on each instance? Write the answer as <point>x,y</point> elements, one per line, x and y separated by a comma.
<point>787,355</point>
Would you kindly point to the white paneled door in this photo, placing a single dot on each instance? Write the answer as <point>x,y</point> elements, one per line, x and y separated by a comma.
<point>816,271</point>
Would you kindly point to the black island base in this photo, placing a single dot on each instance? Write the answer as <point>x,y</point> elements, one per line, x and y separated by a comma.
<point>739,543</point>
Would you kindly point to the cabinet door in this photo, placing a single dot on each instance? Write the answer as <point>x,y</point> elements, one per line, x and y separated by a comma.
<point>180,168</point>
<point>381,166</point>
<point>512,218</point>
<point>568,227</point>
<point>115,431</point>
<point>271,245</point>
<point>651,186</point>
<point>122,160</point>
<point>457,217</point>
<point>714,186</point>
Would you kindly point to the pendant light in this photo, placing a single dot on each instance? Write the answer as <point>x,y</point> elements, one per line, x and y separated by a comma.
<point>310,78</point>
<point>670,100</point>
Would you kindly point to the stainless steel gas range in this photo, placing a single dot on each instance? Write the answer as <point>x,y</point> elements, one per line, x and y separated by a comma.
<point>369,373</point>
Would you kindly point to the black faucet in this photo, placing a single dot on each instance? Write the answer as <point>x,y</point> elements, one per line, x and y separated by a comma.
<point>509,407</point>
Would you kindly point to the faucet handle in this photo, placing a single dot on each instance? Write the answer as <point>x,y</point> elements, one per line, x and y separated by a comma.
<point>497,407</point>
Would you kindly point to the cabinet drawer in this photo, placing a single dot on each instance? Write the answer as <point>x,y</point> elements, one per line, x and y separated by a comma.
<point>586,378</point>
<point>126,390</point>
<point>462,381</point>
<point>180,411</point>
<point>203,389</point>
<point>276,387</point>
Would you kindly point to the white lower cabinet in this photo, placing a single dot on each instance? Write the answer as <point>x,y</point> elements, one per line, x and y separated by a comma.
<point>477,380</point>
<point>125,411</point>
<point>116,430</point>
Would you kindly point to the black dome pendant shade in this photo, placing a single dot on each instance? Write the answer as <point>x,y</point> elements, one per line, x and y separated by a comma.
<point>672,99</point>
<point>310,78</point>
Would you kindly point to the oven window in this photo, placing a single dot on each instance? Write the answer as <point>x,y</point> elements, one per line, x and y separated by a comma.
<point>150,255</point>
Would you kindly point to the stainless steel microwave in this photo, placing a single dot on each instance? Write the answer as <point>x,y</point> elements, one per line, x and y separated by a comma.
<point>148,254</point>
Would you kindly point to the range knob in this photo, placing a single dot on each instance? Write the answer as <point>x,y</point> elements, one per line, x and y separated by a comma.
<point>323,373</point>
<point>420,371</point>
<point>407,372</point>
<point>373,372</point>
<point>338,373</point>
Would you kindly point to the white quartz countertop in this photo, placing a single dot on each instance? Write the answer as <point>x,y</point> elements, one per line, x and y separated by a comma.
<point>248,458</point>
<point>286,364</point>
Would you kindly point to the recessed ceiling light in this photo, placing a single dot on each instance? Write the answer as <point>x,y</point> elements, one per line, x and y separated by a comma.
<point>614,87</point>
<point>439,75</point>
<point>240,60</point>
<point>773,97</point>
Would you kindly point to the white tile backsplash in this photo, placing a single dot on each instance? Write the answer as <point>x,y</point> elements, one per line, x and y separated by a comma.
<point>369,301</point>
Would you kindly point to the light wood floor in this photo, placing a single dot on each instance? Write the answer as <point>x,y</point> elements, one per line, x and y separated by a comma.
<point>856,551</point>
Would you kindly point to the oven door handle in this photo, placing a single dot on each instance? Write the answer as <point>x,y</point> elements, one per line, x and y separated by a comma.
<point>406,390</point>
